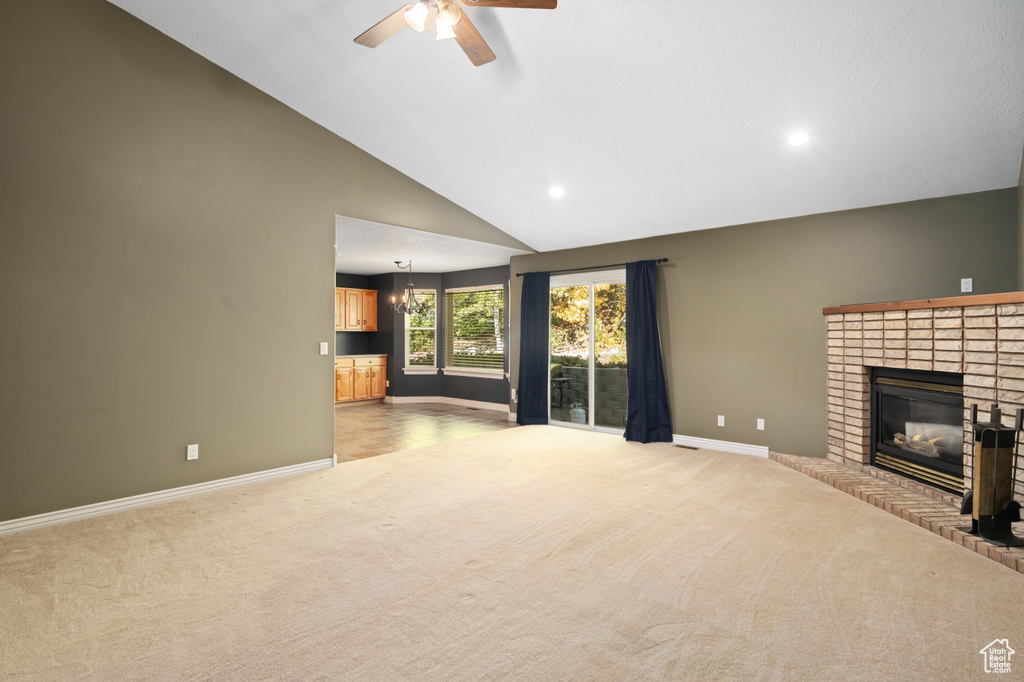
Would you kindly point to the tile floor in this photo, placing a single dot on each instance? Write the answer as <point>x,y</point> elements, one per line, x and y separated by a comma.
<point>373,429</point>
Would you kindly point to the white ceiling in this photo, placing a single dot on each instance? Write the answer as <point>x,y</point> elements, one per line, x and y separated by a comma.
<point>657,117</point>
<point>363,247</point>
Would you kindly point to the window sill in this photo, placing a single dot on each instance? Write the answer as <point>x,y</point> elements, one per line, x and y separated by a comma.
<point>419,370</point>
<point>480,374</point>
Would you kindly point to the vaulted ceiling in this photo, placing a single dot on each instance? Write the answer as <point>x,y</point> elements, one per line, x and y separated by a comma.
<point>655,117</point>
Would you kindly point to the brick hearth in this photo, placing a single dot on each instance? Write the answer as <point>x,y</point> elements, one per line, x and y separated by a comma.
<point>929,508</point>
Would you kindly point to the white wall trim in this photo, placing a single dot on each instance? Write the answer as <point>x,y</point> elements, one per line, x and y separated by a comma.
<point>481,287</point>
<point>475,373</point>
<point>102,508</point>
<point>478,404</point>
<point>721,445</point>
<point>511,416</point>
<point>426,371</point>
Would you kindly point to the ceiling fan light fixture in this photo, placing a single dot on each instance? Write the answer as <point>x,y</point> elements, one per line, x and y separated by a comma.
<point>444,32</point>
<point>448,13</point>
<point>416,17</point>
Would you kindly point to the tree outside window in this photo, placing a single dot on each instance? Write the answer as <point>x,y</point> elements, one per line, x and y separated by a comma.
<point>475,332</point>
<point>570,309</point>
<point>421,332</point>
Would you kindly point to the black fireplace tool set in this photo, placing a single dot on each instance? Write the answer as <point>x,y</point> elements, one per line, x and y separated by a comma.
<point>990,501</point>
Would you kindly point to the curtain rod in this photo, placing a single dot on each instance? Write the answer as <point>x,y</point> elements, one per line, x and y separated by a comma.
<point>592,267</point>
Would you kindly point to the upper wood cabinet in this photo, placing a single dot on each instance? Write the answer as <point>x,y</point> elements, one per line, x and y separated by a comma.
<point>369,310</point>
<point>355,310</point>
<point>339,309</point>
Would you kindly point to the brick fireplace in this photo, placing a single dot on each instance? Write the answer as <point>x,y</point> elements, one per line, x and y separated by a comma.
<point>980,337</point>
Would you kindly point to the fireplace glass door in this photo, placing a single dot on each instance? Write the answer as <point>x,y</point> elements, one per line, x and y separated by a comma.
<point>923,428</point>
<point>919,428</point>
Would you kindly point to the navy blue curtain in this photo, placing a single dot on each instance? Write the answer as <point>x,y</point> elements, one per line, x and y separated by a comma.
<point>534,365</point>
<point>647,416</point>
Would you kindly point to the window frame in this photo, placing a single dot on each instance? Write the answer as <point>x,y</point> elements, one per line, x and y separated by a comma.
<point>420,369</point>
<point>449,331</point>
<point>591,280</point>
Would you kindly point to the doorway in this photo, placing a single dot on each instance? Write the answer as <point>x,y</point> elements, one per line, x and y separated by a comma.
<point>588,351</point>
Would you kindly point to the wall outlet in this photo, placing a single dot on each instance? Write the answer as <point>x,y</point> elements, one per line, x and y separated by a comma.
<point>514,395</point>
<point>760,424</point>
<point>966,285</point>
<point>721,420</point>
<point>192,451</point>
<point>387,383</point>
<point>323,348</point>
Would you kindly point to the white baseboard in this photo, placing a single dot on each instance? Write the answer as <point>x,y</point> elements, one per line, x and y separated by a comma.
<point>477,404</point>
<point>721,445</point>
<point>101,508</point>
<point>408,399</point>
<point>511,416</point>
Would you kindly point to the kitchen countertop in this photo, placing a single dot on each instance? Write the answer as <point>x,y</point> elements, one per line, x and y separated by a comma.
<point>367,355</point>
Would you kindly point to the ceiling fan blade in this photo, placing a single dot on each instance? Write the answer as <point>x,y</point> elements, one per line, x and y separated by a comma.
<point>523,4</point>
<point>471,42</point>
<point>382,30</point>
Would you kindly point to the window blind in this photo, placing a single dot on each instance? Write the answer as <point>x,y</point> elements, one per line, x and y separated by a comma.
<point>475,329</point>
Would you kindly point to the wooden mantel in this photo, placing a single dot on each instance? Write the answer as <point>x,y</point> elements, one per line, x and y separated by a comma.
<point>951,302</point>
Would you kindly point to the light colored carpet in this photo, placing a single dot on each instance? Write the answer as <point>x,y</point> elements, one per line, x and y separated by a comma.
<point>536,553</point>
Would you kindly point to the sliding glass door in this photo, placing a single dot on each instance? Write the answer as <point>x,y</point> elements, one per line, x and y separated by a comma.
<point>588,350</point>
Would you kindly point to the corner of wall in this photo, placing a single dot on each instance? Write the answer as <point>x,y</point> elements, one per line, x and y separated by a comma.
<point>1020,225</point>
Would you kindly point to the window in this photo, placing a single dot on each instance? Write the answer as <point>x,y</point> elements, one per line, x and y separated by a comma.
<point>588,350</point>
<point>475,329</point>
<point>421,331</point>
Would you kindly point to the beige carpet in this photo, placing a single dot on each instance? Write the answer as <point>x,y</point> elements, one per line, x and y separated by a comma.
<point>537,553</point>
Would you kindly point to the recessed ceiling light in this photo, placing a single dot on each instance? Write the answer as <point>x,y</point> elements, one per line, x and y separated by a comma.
<point>798,138</point>
<point>557,192</point>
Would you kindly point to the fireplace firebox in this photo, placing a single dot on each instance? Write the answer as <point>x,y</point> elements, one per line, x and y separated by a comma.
<point>917,425</point>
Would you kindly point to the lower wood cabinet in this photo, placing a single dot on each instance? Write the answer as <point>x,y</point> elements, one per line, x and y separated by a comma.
<point>378,380</point>
<point>343,384</point>
<point>360,378</point>
<point>361,384</point>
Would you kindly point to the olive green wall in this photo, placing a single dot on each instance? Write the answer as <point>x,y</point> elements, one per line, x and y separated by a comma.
<point>1020,226</point>
<point>740,308</point>
<point>166,261</point>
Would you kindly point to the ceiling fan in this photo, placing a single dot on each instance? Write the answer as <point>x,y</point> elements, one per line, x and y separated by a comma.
<point>447,20</point>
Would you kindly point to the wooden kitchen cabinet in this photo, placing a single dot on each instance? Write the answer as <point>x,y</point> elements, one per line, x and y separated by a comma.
<point>361,384</point>
<point>362,377</point>
<point>378,381</point>
<point>343,384</point>
<point>339,309</point>
<point>369,310</point>
<point>355,310</point>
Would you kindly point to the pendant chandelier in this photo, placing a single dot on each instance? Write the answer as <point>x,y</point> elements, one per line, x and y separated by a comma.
<point>408,304</point>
